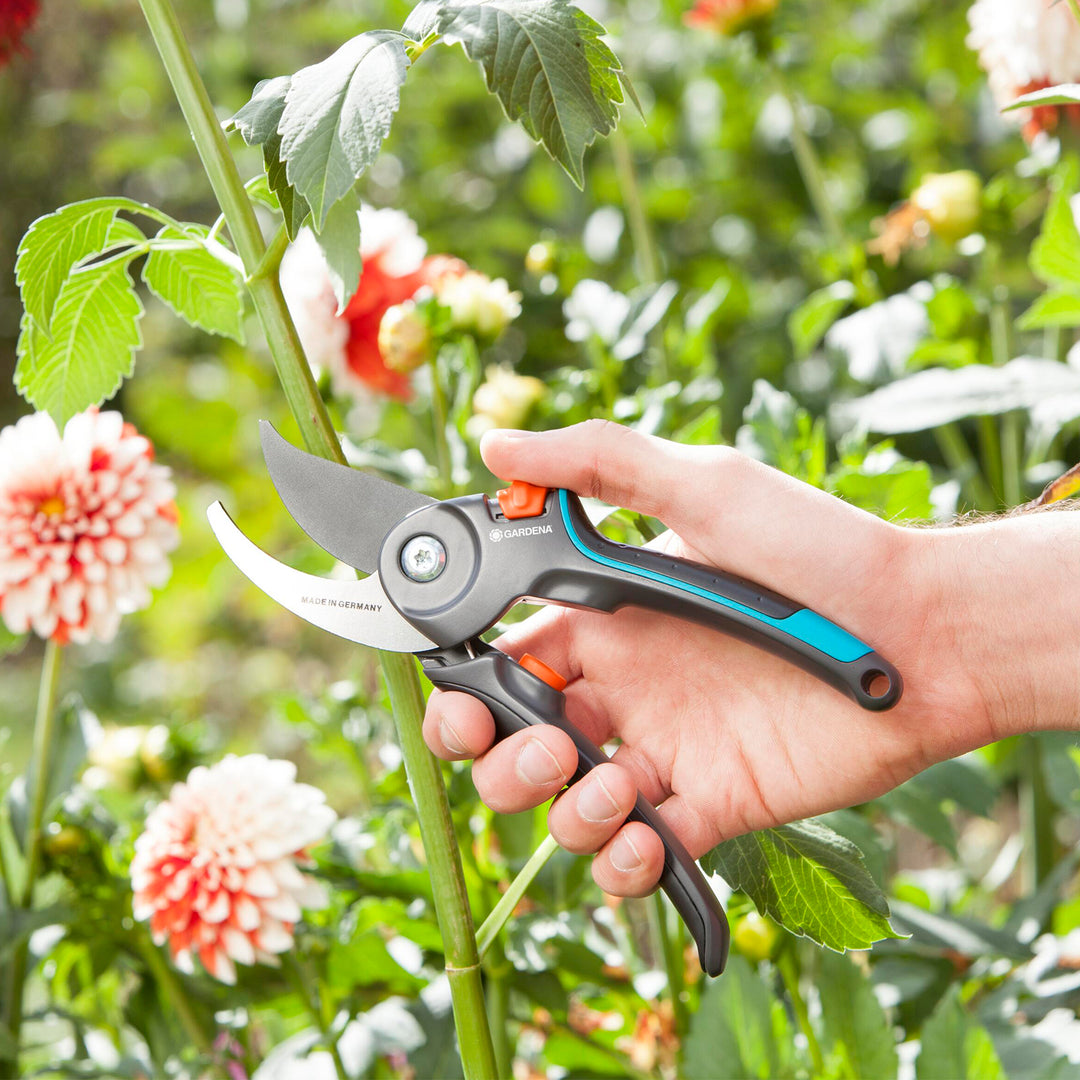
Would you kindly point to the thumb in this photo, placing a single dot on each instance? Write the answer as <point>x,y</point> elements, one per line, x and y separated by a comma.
<point>739,514</point>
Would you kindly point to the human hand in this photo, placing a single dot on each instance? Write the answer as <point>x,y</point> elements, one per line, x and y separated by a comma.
<point>724,737</point>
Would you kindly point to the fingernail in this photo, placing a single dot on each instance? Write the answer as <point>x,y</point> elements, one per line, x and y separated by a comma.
<point>624,856</point>
<point>537,765</point>
<point>595,802</point>
<point>451,739</point>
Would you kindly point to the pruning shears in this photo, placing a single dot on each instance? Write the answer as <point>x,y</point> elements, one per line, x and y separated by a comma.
<point>441,573</point>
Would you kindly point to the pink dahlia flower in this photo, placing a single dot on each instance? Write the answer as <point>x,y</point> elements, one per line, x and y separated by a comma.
<point>217,869</point>
<point>1026,45</point>
<point>86,521</point>
<point>347,345</point>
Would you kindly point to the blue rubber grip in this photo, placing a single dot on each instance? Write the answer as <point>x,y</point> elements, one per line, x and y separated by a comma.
<point>804,625</point>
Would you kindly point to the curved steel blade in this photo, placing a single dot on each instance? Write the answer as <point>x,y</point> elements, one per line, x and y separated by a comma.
<point>345,511</point>
<point>356,610</point>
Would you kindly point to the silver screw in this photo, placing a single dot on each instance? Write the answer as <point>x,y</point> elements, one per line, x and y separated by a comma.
<point>423,558</point>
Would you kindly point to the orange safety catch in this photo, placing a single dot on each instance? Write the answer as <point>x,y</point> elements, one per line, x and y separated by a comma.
<point>522,500</point>
<point>542,671</point>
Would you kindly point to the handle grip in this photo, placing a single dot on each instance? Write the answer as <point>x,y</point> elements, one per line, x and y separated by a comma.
<point>517,700</point>
<point>612,575</point>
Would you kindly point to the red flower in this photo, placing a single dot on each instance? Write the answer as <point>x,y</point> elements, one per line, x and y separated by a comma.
<point>16,18</point>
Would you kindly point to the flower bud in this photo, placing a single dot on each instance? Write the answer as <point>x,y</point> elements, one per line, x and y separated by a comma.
<point>113,759</point>
<point>540,258</point>
<point>478,304</point>
<point>404,338</point>
<point>950,202</point>
<point>505,398</point>
<point>756,937</point>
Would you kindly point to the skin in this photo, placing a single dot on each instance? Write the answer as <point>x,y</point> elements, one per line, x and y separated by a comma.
<point>725,738</point>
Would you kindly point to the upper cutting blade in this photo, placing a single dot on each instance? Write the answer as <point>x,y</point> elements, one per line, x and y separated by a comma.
<point>356,610</point>
<point>346,512</point>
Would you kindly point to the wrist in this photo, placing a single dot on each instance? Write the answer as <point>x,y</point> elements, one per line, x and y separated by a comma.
<point>1002,623</point>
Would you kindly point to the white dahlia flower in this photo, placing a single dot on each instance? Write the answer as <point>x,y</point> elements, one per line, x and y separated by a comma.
<point>217,869</point>
<point>1025,45</point>
<point>86,521</point>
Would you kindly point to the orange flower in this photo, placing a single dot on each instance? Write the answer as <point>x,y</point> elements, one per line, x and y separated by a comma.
<point>16,18</point>
<point>727,16</point>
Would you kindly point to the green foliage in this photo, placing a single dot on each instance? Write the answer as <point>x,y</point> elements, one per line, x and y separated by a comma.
<point>954,1047</point>
<point>810,880</point>
<point>856,1024</point>
<point>545,61</point>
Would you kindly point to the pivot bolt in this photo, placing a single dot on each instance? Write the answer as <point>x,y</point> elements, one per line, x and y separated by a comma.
<point>423,558</point>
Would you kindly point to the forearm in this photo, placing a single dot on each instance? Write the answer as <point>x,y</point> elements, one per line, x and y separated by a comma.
<point>1004,618</point>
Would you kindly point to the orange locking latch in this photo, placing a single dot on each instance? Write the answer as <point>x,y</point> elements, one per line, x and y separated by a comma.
<point>542,671</point>
<point>522,500</point>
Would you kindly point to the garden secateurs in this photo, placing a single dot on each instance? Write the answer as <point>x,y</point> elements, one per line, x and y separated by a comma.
<point>441,573</point>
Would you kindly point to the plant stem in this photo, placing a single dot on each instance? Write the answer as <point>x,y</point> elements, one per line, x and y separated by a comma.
<point>960,460</point>
<point>444,865</point>
<point>1036,815</point>
<point>1011,433</point>
<point>438,423</point>
<point>645,254</point>
<point>294,373</point>
<point>44,720</point>
<point>502,911</point>
<point>673,965</point>
<point>785,964</point>
<point>298,977</point>
<point>498,971</point>
<point>167,979</point>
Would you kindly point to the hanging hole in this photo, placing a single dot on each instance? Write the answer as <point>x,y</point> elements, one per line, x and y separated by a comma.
<point>875,683</point>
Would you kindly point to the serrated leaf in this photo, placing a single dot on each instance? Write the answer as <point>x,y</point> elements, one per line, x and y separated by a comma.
<point>956,1047</point>
<point>294,207</point>
<point>95,335</point>
<point>257,121</point>
<point>808,323</point>
<point>340,243</point>
<point>197,285</point>
<point>1063,94</point>
<point>547,64</point>
<point>52,246</point>
<point>854,1021</point>
<point>810,880</point>
<point>422,21</point>
<point>337,114</point>
<point>738,1029</point>
<point>1054,308</point>
<point>1055,255</point>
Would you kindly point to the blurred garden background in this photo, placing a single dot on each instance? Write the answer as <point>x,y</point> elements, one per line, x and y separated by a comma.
<point>821,241</point>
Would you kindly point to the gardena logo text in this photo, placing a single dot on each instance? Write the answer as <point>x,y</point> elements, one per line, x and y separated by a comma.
<point>525,530</point>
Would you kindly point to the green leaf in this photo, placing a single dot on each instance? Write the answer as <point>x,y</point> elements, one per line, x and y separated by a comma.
<point>95,335</point>
<point>956,1047</point>
<point>854,1021</point>
<point>914,805</point>
<point>954,933</point>
<point>810,880</point>
<point>1055,255</point>
<point>340,243</point>
<point>739,1031</point>
<point>67,753</point>
<point>52,246</point>
<point>547,64</point>
<point>422,21</point>
<point>337,114</point>
<point>1062,94</point>
<point>1054,308</point>
<point>198,286</point>
<point>809,321</point>
<point>257,123</point>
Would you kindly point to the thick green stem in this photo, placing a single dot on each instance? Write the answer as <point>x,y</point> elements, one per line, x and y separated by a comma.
<point>499,970</point>
<point>433,810</point>
<point>1012,436</point>
<point>502,911</point>
<point>673,964</point>
<point>44,721</point>
<point>444,866</point>
<point>166,980</point>
<point>785,963</point>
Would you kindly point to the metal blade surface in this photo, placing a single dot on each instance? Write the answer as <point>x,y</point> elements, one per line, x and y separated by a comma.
<point>356,610</point>
<point>345,511</point>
